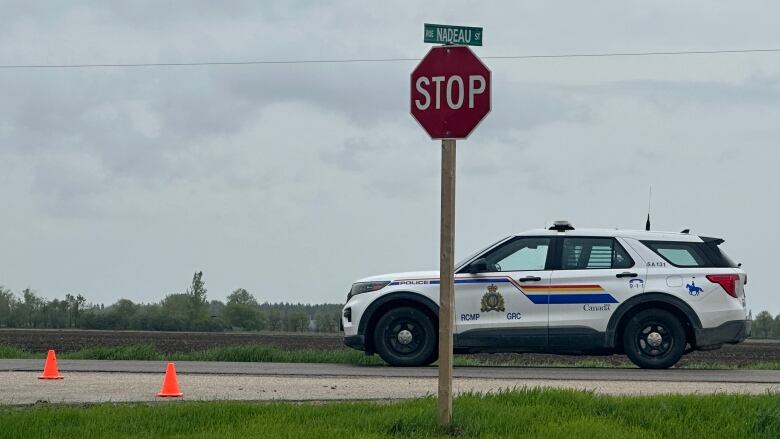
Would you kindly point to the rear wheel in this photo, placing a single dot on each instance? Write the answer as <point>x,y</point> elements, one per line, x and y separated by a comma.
<point>654,339</point>
<point>405,337</point>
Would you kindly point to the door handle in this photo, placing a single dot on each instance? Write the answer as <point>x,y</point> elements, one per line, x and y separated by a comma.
<point>530,279</point>
<point>626,274</point>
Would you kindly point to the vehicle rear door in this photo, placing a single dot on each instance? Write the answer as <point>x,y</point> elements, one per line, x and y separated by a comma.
<point>592,276</point>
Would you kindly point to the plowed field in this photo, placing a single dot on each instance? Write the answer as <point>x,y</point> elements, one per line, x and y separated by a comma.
<point>39,340</point>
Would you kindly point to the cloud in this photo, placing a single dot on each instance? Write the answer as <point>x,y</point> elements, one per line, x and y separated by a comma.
<point>255,173</point>
<point>756,90</point>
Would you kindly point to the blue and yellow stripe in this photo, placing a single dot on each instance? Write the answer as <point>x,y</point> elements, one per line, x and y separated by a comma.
<point>538,294</point>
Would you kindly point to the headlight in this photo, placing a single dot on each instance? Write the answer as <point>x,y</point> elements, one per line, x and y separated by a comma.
<point>365,287</point>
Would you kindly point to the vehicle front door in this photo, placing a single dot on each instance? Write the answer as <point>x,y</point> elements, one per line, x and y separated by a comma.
<point>491,308</point>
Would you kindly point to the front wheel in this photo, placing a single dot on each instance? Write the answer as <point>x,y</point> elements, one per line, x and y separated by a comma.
<point>406,337</point>
<point>654,339</point>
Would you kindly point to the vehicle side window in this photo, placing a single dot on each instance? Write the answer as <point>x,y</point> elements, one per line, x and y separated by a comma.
<point>680,254</point>
<point>522,254</point>
<point>593,253</point>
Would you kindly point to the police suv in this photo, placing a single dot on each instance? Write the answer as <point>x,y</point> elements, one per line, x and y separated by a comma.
<point>651,295</point>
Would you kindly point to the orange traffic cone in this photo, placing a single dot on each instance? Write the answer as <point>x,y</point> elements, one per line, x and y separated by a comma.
<point>50,369</point>
<point>170,386</point>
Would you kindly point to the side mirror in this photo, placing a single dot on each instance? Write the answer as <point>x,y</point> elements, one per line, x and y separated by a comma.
<point>479,266</point>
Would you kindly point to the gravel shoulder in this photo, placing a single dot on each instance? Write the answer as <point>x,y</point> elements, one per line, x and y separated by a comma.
<point>21,388</point>
<point>82,387</point>
<point>95,381</point>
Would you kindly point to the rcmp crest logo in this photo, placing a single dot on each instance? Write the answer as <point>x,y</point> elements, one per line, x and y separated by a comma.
<point>492,300</point>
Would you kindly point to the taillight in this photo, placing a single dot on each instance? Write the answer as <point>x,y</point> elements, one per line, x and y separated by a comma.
<point>727,281</point>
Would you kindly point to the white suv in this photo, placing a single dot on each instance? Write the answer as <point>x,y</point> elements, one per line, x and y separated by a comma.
<point>651,295</point>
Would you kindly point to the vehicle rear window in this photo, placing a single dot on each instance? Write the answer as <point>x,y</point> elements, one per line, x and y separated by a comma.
<point>593,253</point>
<point>691,254</point>
<point>720,258</point>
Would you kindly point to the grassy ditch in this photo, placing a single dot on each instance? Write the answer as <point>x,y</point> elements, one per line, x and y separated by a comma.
<point>263,354</point>
<point>520,413</point>
<point>249,353</point>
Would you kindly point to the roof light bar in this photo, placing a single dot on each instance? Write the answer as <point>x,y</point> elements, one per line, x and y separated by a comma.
<point>561,226</point>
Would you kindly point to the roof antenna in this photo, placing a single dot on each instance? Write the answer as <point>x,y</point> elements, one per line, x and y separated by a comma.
<point>649,202</point>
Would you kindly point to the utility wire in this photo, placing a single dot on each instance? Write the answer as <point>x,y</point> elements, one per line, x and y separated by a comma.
<point>376,60</point>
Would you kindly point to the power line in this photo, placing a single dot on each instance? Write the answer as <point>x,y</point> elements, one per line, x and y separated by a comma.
<point>205,63</point>
<point>376,60</point>
<point>618,54</point>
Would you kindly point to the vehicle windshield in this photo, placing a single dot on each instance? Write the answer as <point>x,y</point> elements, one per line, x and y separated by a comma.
<point>471,256</point>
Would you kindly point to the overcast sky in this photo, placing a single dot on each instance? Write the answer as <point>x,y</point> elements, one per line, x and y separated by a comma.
<point>294,180</point>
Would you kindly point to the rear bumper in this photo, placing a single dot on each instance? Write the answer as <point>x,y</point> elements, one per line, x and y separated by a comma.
<point>355,342</point>
<point>730,332</point>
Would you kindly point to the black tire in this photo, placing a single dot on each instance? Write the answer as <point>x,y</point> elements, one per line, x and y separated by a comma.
<point>395,346</point>
<point>654,339</point>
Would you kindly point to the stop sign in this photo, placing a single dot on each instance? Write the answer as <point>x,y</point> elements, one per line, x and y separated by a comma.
<point>450,92</point>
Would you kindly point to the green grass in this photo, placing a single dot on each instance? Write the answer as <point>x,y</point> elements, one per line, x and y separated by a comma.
<point>520,362</point>
<point>12,352</point>
<point>260,353</point>
<point>522,413</point>
<point>249,353</point>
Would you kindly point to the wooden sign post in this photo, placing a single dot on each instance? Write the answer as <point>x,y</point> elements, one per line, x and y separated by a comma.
<point>446,280</point>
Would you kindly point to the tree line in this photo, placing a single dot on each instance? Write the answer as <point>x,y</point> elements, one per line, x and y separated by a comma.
<point>187,311</point>
<point>191,311</point>
<point>765,326</point>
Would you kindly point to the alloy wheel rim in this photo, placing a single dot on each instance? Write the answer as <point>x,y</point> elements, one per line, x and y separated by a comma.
<point>654,340</point>
<point>405,336</point>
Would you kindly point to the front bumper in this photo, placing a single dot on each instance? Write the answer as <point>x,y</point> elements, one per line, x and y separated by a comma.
<point>731,332</point>
<point>355,342</point>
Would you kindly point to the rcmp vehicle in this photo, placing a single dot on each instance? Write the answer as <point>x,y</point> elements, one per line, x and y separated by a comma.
<point>653,296</point>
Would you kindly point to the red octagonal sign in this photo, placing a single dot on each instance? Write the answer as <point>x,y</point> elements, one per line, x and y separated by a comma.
<point>450,92</point>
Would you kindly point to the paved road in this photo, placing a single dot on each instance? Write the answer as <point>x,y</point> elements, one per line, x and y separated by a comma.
<point>347,371</point>
<point>104,381</point>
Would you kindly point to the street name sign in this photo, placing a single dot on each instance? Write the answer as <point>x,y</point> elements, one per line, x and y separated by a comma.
<point>444,34</point>
<point>450,92</point>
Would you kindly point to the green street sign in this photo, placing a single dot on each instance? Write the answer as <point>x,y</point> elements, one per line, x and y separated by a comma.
<point>443,34</point>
